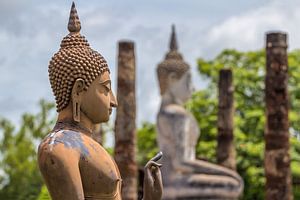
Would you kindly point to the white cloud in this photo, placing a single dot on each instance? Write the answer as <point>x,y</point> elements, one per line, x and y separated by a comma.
<point>247,31</point>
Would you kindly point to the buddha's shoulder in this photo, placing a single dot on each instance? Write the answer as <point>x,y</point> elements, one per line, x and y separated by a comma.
<point>58,143</point>
<point>174,110</point>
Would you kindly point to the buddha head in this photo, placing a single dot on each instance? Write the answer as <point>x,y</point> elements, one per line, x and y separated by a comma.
<point>174,74</point>
<point>80,77</point>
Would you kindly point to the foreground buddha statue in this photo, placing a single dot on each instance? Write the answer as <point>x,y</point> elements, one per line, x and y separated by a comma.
<point>74,166</point>
<point>185,177</point>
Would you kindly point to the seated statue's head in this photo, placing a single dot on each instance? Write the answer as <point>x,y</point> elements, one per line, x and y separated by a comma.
<point>79,77</point>
<point>174,74</point>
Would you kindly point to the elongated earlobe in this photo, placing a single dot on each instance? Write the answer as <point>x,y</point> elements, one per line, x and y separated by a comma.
<point>76,108</point>
<point>76,98</point>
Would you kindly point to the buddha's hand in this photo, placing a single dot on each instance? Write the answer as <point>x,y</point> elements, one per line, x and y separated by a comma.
<point>153,186</point>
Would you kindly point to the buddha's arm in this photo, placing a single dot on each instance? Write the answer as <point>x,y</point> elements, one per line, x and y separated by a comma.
<point>59,167</point>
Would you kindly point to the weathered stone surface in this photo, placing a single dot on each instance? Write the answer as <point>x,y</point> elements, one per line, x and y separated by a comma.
<point>73,164</point>
<point>225,147</point>
<point>277,159</point>
<point>125,127</point>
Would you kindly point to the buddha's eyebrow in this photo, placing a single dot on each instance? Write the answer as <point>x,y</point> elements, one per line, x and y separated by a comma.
<point>105,82</point>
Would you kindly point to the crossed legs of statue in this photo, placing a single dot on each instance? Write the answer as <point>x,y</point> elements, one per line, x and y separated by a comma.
<point>204,180</point>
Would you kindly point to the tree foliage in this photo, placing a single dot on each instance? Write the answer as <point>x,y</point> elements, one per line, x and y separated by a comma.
<point>20,178</point>
<point>249,119</point>
<point>146,143</point>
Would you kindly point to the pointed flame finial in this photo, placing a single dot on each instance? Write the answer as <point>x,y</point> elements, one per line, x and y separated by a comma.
<point>173,40</point>
<point>74,23</point>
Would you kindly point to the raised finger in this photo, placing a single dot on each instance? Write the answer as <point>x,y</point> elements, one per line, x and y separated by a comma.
<point>152,163</point>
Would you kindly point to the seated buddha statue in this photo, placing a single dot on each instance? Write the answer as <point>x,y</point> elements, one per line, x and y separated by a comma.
<point>186,177</point>
<point>73,165</point>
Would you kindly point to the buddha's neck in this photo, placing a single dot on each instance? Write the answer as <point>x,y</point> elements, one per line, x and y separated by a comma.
<point>168,98</point>
<point>85,125</point>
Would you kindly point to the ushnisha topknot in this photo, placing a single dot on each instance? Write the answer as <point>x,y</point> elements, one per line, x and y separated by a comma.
<point>75,59</point>
<point>173,63</point>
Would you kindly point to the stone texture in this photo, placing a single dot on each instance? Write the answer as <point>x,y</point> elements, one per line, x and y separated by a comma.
<point>277,159</point>
<point>125,127</point>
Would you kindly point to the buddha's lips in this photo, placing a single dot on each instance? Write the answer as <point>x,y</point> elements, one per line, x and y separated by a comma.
<point>110,111</point>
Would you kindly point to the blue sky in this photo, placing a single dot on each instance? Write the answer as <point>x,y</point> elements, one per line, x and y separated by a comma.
<point>31,31</point>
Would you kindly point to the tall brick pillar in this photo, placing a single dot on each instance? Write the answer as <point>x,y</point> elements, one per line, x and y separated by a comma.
<point>225,147</point>
<point>125,127</point>
<point>277,159</point>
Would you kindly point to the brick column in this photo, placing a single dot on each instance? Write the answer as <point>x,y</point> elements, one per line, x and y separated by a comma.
<point>277,159</point>
<point>225,148</point>
<point>125,127</point>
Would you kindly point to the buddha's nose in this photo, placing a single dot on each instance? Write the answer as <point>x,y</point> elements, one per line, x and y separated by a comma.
<point>113,100</point>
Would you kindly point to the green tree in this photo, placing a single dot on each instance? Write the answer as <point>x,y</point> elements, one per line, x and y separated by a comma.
<point>146,143</point>
<point>20,178</point>
<point>44,194</point>
<point>249,72</point>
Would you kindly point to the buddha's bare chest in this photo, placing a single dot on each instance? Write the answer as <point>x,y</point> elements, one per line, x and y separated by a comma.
<point>99,173</point>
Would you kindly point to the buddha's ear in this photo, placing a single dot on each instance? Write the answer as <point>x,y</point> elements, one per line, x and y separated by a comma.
<point>78,86</point>
<point>77,90</point>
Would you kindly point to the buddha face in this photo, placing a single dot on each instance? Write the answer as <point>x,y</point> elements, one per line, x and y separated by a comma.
<point>182,89</point>
<point>97,102</point>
